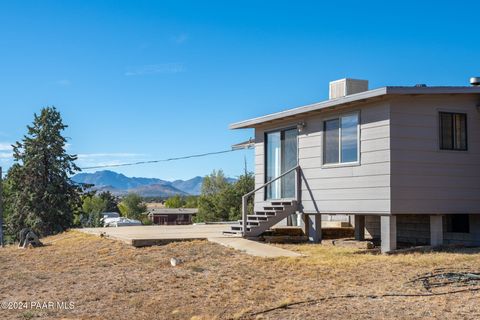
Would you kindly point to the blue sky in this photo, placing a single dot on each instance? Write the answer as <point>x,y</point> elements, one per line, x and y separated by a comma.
<point>145,80</point>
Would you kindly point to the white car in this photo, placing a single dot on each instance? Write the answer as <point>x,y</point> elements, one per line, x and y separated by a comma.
<point>120,222</point>
<point>109,217</point>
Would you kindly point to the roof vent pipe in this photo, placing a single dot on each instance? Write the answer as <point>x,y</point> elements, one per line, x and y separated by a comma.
<point>475,81</point>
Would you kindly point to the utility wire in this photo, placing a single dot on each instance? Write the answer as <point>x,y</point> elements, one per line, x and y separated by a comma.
<point>161,160</point>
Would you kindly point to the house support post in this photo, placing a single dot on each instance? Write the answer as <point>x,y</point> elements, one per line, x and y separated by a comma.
<point>314,227</point>
<point>388,233</point>
<point>244,215</point>
<point>436,230</point>
<point>359,227</point>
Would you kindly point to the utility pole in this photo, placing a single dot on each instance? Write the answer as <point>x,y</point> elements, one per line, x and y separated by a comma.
<point>1,209</point>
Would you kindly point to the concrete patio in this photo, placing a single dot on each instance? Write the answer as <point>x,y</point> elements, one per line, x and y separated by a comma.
<point>141,236</point>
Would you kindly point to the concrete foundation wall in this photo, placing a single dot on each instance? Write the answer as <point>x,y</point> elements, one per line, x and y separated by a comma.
<point>472,238</point>
<point>372,227</point>
<point>415,230</point>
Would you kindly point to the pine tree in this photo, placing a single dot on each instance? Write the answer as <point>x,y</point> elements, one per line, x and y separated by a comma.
<point>43,197</point>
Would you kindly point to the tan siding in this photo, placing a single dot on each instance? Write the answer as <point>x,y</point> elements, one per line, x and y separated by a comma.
<point>370,206</point>
<point>348,182</point>
<point>363,188</point>
<point>259,164</point>
<point>424,178</point>
<point>401,168</point>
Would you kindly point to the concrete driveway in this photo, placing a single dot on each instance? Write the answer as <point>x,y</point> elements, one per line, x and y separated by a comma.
<point>141,236</point>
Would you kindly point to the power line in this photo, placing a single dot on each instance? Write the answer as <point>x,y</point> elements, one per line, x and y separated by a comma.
<point>161,160</point>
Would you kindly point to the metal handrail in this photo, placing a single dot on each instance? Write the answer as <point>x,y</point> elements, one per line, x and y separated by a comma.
<point>245,196</point>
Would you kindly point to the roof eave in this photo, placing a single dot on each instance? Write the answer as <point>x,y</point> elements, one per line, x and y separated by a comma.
<point>251,123</point>
<point>362,96</point>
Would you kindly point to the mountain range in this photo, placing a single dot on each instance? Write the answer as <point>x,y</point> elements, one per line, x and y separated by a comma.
<point>120,184</point>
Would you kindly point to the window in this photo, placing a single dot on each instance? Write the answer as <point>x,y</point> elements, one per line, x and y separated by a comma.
<point>341,140</point>
<point>458,223</point>
<point>453,131</point>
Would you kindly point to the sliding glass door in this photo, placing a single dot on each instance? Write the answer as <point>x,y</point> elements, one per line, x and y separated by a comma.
<point>280,156</point>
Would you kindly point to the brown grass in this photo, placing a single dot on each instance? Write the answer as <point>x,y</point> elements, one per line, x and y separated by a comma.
<point>106,279</point>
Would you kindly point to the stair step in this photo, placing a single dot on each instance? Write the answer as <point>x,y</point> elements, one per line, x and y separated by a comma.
<point>250,222</point>
<point>263,219</point>
<point>281,203</point>
<point>266,212</point>
<point>231,232</point>
<point>259,217</point>
<point>276,208</point>
<point>238,228</point>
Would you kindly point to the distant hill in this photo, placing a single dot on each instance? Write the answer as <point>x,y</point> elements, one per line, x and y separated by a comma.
<point>194,185</point>
<point>120,184</point>
<point>114,179</point>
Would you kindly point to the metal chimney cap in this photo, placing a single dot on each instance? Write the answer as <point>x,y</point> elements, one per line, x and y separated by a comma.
<point>475,81</point>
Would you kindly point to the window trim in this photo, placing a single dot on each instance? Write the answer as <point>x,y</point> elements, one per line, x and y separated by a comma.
<point>440,139</point>
<point>341,164</point>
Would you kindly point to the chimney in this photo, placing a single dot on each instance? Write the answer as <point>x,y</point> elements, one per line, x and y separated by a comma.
<point>344,87</point>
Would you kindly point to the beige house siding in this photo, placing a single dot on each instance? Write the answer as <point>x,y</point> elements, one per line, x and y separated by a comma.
<point>362,188</point>
<point>426,179</point>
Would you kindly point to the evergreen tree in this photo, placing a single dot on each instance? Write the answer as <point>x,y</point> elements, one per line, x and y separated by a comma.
<point>111,201</point>
<point>43,197</point>
<point>191,202</point>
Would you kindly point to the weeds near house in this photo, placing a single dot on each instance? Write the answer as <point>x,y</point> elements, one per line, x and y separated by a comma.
<point>108,279</point>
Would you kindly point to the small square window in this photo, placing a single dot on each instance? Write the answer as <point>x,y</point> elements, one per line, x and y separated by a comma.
<point>453,131</point>
<point>458,223</point>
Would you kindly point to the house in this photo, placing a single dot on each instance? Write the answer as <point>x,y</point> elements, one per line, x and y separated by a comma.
<point>171,216</point>
<point>402,162</point>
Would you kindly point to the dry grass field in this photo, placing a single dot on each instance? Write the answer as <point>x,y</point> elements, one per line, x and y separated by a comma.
<point>105,279</point>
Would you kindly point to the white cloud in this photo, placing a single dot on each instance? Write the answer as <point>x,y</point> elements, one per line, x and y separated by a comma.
<point>107,155</point>
<point>6,155</point>
<point>5,146</point>
<point>162,68</point>
<point>107,159</point>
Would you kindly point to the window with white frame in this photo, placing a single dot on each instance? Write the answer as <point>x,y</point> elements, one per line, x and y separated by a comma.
<point>340,142</point>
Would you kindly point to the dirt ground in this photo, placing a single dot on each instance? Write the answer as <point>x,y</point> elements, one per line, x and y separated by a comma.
<point>98,278</point>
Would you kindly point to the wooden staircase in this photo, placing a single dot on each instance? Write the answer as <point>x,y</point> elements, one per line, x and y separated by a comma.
<point>262,220</point>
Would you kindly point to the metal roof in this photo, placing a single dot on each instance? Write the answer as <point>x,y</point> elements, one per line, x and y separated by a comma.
<point>357,97</point>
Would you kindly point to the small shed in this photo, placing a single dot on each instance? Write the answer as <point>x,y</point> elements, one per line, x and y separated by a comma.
<point>172,216</point>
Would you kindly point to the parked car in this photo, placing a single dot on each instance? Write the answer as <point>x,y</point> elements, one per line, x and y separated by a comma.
<point>109,217</point>
<point>113,219</point>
